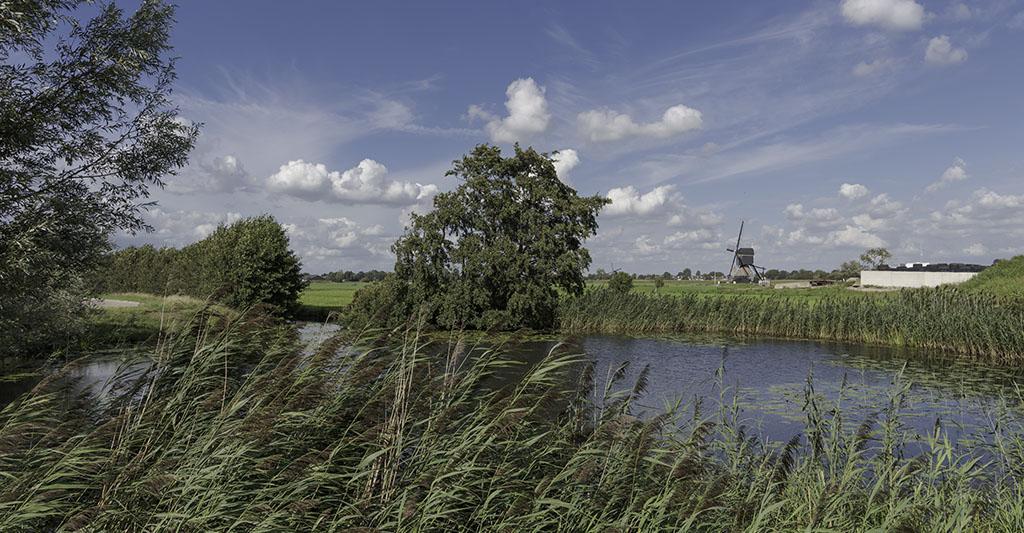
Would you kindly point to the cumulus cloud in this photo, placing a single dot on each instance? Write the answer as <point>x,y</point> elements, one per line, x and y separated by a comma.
<point>991,199</point>
<point>337,243</point>
<point>366,183</point>
<point>629,201</point>
<point>820,216</point>
<point>854,237</point>
<point>565,160</point>
<point>608,125</point>
<point>941,52</point>
<point>527,113</point>
<point>178,227</point>
<point>864,69</point>
<point>897,15</point>
<point>955,172</point>
<point>853,191</point>
<point>976,250</point>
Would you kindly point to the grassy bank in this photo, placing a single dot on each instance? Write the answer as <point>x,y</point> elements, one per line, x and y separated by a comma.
<point>235,429</point>
<point>947,318</point>
<point>145,323</point>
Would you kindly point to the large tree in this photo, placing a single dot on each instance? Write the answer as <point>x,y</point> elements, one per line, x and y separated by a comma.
<point>494,252</point>
<point>86,128</point>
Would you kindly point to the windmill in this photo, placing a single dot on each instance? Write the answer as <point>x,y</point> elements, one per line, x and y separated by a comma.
<point>742,269</point>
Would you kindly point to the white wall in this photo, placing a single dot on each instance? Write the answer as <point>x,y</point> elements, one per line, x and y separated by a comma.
<point>892,278</point>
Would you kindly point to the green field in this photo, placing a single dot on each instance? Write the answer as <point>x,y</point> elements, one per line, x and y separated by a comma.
<point>333,296</point>
<point>153,316</point>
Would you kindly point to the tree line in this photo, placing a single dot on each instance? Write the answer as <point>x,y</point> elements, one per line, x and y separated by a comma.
<point>241,265</point>
<point>347,275</point>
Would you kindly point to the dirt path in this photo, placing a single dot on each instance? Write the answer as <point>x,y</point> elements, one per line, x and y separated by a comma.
<point>111,304</point>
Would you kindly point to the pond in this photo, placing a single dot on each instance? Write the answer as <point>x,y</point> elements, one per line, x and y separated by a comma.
<point>768,379</point>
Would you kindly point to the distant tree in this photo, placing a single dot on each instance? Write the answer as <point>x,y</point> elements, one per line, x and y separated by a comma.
<point>697,275</point>
<point>666,275</point>
<point>621,282</point>
<point>494,252</point>
<point>601,274</point>
<point>874,257</point>
<point>241,265</point>
<point>658,284</point>
<point>685,274</point>
<point>87,126</point>
<point>849,269</point>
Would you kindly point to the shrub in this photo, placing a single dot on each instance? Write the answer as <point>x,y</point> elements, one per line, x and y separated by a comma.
<point>621,282</point>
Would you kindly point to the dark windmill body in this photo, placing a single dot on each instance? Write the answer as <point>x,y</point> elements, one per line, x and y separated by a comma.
<point>742,269</point>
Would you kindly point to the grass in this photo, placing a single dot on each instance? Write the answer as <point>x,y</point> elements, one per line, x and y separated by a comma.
<point>1005,278</point>
<point>145,323</point>
<point>320,298</point>
<point>947,318</point>
<point>232,427</point>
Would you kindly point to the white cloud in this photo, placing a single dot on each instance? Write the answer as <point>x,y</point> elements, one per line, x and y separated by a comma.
<point>527,113</point>
<point>178,228</point>
<point>991,199</point>
<point>644,245</point>
<point>697,236</point>
<point>366,183</point>
<point>565,160</point>
<point>337,237</point>
<point>864,69</point>
<point>941,52</point>
<point>888,14</point>
<point>629,201</point>
<point>955,172</point>
<point>882,206</point>
<point>855,237</point>
<point>608,125</point>
<point>853,191</point>
<point>977,249</point>
<point>817,215</point>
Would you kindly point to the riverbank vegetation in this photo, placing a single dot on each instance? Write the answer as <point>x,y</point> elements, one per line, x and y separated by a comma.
<point>946,318</point>
<point>493,253</point>
<point>242,264</point>
<point>232,427</point>
<point>87,126</point>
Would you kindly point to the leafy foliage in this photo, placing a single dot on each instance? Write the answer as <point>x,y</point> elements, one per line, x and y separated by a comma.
<point>86,127</point>
<point>494,252</point>
<point>244,264</point>
<point>621,283</point>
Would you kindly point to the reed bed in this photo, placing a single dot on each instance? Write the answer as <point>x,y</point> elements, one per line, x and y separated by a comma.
<point>983,325</point>
<point>235,428</point>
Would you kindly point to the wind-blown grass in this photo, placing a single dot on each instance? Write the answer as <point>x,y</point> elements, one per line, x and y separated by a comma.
<point>946,318</point>
<point>233,427</point>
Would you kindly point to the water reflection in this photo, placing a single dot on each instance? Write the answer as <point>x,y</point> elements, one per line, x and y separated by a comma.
<point>767,377</point>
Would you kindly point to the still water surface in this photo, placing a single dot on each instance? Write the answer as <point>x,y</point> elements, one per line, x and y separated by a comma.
<point>767,377</point>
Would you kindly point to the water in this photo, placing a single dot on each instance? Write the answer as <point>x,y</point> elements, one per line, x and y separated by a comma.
<point>94,374</point>
<point>767,377</point>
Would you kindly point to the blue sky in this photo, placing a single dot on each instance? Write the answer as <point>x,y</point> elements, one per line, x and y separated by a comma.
<point>830,127</point>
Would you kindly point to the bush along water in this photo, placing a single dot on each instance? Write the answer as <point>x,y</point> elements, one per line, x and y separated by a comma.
<point>946,318</point>
<point>235,426</point>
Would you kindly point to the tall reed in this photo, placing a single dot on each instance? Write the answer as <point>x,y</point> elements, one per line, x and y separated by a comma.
<point>235,428</point>
<point>946,318</point>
